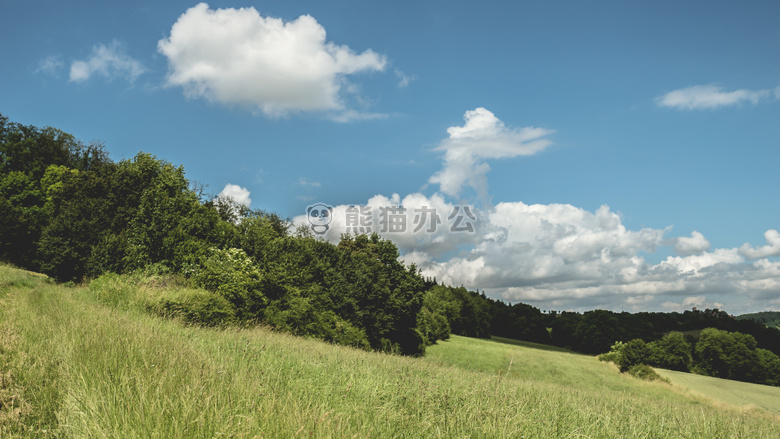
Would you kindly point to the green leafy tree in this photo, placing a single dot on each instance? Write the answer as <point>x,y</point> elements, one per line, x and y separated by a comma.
<point>440,307</point>
<point>671,352</point>
<point>474,319</point>
<point>26,154</point>
<point>726,355</point>
<point>597,331</point>
<point>633,353</point>
<point>79,217</point>
<point>384,296</point>
<point>164,203</point>
<point>233,275</point>
<point>770,367</point>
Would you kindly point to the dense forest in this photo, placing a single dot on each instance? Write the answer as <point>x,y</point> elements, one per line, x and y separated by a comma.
<point>69,211</point>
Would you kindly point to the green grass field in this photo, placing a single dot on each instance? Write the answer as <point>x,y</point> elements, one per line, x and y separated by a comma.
<point>720,391</point>
<point>73,367</point>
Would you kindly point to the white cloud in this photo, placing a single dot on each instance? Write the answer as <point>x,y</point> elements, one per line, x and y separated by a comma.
<point>306,182</point>
<point>535,247</point>
<point>698,302</point>
<point>558,256</point>
<point>771,249</point>
<point>710,96</point>
<point>239,194</point>
<point>483,136</point>
<point>403,79</point>
<point>50,65</point>
<point>109,62</point>
<point>345,116</point>
<point>693,245</point>
<point>694,264</point>
<point>565,257</point>
<point>237,56</point>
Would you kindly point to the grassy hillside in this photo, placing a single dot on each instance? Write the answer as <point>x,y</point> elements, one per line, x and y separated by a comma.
<point>720,391</point>
<point>72,367</point>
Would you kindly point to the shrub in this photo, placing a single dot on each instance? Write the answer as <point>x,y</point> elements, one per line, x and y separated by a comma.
<point>645,372</point>
<point>614,353</point>
<point>299,317</point>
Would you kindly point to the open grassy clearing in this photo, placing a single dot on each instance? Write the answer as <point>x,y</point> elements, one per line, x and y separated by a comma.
<point>735,393</point>
<point>82,369</point>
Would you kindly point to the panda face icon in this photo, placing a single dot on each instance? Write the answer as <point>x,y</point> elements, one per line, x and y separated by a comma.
<point>319,216</point>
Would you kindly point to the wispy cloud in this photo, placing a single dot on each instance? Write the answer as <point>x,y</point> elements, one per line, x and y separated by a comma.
<point>347,116</point>
<point>109,62</point>
<point>307,183</point>
<point>703,97</point>
<point>403,79</point>
<point>50,65</point>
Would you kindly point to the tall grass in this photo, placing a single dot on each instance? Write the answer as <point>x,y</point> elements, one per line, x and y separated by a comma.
<point>718,390</point>
<point>90,370</point>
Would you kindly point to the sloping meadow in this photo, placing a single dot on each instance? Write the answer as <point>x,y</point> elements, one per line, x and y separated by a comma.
<point>84,367</point>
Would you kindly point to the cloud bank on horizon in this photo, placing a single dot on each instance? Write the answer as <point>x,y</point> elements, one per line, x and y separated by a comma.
<point>557,255</point>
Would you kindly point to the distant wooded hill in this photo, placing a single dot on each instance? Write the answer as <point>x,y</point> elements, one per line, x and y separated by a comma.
<point>769,318</point>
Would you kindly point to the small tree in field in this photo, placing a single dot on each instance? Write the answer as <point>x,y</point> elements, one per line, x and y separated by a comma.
<point>633,353</point>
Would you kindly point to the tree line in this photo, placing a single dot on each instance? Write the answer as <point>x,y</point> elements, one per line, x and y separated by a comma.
<point>715,352</point>
<point>69,211</point>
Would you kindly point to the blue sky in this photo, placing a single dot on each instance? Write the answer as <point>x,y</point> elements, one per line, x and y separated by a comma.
<point>618,155</point>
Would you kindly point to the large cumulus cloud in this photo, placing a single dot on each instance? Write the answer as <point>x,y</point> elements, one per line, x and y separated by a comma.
<point>239,57</point>
<point>558,255</point>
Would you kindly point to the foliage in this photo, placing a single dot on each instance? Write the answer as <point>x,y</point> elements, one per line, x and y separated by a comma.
<point>299,317</point>
<point>727,355</point>
<point>519,321</point>
<point>614,354</point>
<point>633,353</point>
<point>440,307</point>
<point>233,275</point>
<point>717,353</point>
<point>673,352</point>
<point>768,318</point>
<point>597,331</point>
<point>474,319</point>
<point>644,372</point>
